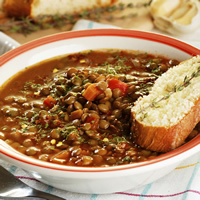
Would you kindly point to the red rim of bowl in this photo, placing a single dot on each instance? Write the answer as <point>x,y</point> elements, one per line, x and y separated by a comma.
<point>105,32</point>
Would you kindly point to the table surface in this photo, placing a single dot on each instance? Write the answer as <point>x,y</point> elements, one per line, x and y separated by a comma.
<point>140,22</point>
<point>171,187</point>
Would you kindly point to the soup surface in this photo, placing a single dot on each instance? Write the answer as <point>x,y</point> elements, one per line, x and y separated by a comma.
<point>75,109</point>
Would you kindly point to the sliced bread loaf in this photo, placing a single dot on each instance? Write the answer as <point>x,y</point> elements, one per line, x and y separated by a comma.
<point>34,8</point>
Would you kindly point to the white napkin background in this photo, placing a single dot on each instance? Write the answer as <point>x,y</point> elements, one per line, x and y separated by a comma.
<point>183,183</point>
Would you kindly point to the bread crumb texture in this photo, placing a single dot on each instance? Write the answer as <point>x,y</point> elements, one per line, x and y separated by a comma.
<point>170,111</point>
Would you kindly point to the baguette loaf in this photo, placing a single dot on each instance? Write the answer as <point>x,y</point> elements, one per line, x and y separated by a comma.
<point>34,8</point>
<point>163,119</point>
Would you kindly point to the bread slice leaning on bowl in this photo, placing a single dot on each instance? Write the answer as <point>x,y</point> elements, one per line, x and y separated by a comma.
<point>163,119</point>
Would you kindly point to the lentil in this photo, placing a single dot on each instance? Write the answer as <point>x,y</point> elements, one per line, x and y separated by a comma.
<point>48,117</point>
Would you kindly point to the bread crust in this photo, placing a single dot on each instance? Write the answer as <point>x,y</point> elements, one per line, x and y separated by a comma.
<point>24,8</point>
<point>19,8</point>
<point>164,139</point>
<point>35,8</point>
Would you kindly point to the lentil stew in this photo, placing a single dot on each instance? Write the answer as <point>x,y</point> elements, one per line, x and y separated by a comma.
<point>75,109</point>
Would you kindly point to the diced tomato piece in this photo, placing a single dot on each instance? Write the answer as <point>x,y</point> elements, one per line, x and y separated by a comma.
<point>50,101</point>
<point>115,83</point>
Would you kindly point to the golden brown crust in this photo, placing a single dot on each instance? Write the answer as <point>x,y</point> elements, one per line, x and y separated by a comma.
<point>164,139</point>
<point>22,8</point>
<point>19,8</point>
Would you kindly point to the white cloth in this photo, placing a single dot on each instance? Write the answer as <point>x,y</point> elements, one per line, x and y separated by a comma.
<point>183,183</point>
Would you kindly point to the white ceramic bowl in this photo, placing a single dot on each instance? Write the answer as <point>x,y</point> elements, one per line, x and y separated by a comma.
<point>87,179</point>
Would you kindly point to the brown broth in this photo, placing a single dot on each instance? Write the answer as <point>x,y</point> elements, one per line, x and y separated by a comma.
<point>51,111</point>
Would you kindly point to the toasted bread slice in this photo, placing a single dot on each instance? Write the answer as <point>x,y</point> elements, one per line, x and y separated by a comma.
<point>163,119</point>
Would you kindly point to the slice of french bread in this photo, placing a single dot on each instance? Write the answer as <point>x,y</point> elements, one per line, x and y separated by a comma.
<point>163,119</point>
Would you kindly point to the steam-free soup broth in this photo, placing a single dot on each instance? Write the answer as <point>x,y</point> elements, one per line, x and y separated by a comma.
<point>75,110</point>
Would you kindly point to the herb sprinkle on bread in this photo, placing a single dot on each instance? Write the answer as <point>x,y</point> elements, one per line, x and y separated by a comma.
<point>163,119</point>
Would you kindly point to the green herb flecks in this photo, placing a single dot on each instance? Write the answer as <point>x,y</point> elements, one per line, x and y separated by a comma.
<point>113,69</point>
<point>119,139</point>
